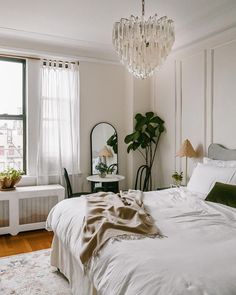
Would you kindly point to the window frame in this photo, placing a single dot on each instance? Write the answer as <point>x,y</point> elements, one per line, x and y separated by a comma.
<point>21,117</point>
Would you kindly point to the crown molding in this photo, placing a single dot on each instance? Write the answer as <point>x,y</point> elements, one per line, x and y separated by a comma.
<point>44,45</point>
<point>210,41</point>
<point>218,20</point>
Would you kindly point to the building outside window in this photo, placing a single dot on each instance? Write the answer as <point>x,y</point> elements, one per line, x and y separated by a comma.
<point>12,114</point>
<point>2,166</point>
<point>2,150</point>
<point>11,150</point>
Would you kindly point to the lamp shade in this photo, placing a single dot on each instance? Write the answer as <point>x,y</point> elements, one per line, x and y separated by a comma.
<point>186,150</point>
<point>105,152</point>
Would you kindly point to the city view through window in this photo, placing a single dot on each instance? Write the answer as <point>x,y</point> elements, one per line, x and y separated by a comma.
<point>11,114</point>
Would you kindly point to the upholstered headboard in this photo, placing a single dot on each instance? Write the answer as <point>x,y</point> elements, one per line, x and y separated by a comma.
<point>219,152</point>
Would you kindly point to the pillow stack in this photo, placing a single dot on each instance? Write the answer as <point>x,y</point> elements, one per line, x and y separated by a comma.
<point>219,163</point>
<point>206,174</point>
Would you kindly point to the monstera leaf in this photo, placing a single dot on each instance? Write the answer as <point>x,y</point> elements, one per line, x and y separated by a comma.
<point>147,130</point>
<point>112,141</point>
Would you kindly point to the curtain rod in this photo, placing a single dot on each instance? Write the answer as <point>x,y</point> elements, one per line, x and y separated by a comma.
<point>34,58</point>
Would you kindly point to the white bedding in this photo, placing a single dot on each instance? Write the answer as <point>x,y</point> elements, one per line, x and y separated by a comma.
<point>197,256</point>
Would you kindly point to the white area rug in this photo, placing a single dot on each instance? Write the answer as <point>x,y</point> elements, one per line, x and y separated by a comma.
<point>31,274</point>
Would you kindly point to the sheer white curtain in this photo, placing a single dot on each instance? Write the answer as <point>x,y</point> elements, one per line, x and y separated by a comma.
<point>58,144</point>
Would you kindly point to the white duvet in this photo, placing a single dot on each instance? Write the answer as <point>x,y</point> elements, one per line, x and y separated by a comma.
<point>197,256</point>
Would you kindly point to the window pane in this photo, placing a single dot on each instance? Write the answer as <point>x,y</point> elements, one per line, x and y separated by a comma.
<point>11,87</point>
<point>11,144</point>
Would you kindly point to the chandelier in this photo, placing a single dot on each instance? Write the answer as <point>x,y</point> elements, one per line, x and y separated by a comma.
<point>142,45</point>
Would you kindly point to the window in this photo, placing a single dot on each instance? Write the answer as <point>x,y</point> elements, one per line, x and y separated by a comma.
<point>1,150</point>
<point>11,150</point>
<point>12,114</point>
<point>2,165</point>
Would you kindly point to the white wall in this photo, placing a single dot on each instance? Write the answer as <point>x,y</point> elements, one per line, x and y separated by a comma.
<point>138,101</point>
<point>108,93</point>
<point>102,89</point>
<point>195,95</point>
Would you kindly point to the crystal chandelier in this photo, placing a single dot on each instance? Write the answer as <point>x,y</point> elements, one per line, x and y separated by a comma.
<point>142,45</point>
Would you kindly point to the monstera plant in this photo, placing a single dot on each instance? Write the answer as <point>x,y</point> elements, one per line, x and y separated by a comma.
<point>112,142</point>
<point>145,139</point>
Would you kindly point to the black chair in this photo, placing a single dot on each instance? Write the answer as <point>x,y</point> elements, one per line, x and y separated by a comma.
<point>114,168</point>
<point>141,182</point>
<point>69,189</point>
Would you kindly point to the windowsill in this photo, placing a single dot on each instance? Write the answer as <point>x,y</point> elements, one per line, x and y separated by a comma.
<point>29,180</point>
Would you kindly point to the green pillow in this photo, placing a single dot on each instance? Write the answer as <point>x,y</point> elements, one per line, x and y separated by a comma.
<point>223,193</point>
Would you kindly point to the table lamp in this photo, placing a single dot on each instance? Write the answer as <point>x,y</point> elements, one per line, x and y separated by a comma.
<point>105,153</point>
<point>187,151</point>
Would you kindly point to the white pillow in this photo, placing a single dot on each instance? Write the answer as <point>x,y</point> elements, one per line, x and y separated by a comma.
<point>219,163</point>
<point>205,176</point>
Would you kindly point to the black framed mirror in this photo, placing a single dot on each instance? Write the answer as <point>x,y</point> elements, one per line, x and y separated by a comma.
<point>104,147</point>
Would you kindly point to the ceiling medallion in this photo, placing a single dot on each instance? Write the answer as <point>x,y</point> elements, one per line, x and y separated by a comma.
<point>142,45</point>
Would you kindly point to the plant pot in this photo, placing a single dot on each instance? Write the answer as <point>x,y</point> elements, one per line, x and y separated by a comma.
<point>7,183</point>
<point>103,175</point>
<point>177,182</point>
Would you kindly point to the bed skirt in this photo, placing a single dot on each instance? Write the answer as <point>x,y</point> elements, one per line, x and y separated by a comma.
<point>62,259</point>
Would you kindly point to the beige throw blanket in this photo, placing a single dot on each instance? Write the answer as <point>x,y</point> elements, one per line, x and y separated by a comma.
<point>109,216</point>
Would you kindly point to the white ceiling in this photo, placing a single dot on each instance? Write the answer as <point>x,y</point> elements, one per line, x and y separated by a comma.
<point>89,22</point>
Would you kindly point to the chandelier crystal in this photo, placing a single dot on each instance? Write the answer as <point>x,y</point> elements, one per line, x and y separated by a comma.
<point>142,45</point>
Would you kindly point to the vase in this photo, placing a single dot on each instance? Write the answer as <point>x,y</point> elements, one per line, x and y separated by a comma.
<point>177,183</point>
<point>103,175</point>
<point>7,183</point>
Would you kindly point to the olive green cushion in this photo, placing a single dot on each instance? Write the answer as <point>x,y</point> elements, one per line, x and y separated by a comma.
<point>223,193</point>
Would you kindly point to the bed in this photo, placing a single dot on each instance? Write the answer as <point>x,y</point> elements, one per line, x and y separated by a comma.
<point>196,255</point>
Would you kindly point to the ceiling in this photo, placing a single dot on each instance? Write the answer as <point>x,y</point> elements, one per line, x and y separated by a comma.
<point>89,23</point>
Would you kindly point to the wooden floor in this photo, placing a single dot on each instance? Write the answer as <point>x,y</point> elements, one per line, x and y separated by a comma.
<point>25,242</point>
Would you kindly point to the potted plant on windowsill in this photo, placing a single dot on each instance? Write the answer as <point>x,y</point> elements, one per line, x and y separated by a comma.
<point>102,169</point>
<point>9,178</point>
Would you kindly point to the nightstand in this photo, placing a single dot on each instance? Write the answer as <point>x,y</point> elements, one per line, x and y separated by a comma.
<point>110,183</point>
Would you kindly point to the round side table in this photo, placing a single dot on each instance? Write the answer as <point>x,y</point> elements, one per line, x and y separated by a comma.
<point>110,183</point>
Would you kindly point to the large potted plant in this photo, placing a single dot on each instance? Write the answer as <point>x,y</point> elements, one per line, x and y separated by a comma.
<point>145,139</point>
<point>9,178</point>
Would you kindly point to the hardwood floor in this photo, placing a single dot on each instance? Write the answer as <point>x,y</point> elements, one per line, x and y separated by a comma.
<point>25,242</point>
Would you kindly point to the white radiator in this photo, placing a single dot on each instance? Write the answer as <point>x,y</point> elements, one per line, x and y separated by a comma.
<point>30,210</point>
<point>35,209</point>
<point>27,208</point>
<point>4,213</point>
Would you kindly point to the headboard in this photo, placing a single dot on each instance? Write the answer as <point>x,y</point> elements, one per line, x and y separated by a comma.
<point>219,152</point>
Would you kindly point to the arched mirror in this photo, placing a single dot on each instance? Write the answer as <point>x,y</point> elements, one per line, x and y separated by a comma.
<point>104,147</point>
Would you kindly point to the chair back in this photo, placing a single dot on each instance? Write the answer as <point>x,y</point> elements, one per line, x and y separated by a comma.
<point>114,168</point>
<point>68,185</point>
<point>141,182</point>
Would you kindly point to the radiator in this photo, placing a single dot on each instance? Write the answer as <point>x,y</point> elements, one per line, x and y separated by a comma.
<point>27,208</point>
<point>4,213</point>
<point>35,209</point>
<point>31,210</point>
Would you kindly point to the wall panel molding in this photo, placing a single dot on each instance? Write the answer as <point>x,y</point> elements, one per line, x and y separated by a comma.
<point>223,84</point>
<point>203,96</point>
<point>178,110</point>
<point>191,90</point>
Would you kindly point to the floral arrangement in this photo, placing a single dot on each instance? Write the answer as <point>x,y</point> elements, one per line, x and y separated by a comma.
<point>102,168</point>
<point>9,178</point>
<point>177,177</point>
<point>111,168</point>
